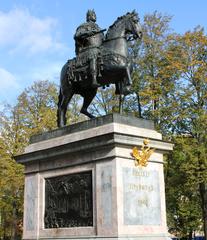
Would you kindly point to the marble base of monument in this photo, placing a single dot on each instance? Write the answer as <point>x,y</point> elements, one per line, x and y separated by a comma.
<point>81,182</point>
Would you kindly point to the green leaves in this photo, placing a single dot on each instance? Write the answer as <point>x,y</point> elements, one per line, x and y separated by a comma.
<point>182,187</point>
<point>11,193</point>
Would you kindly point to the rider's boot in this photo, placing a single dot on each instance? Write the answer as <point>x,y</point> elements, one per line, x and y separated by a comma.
<point>93,69</point>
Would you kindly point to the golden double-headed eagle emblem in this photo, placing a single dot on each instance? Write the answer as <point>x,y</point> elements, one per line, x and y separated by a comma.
<point>142,156</point>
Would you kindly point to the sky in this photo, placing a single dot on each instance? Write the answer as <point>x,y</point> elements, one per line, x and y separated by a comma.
<point>36,36</point>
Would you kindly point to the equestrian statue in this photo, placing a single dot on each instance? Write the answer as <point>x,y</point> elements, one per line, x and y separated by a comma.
<point>100,60</point>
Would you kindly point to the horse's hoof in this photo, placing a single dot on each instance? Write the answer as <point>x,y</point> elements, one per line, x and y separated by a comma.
<point>87,114</point>
<point>95,85</point>
<point>126,92</point>
<point>61,125</point>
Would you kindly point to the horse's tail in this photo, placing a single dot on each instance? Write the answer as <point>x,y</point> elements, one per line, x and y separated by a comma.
<point>60,97</point>
<point>64,92</point>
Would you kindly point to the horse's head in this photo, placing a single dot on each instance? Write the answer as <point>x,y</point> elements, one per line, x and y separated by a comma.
<point>132,26</point>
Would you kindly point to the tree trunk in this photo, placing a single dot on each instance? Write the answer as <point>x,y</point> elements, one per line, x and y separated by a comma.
<point>190,236</point>
<point>14,224</point>
<point>4,225</point>
<point>203,194</point>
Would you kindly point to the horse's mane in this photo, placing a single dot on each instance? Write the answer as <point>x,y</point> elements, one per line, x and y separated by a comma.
<point>117,21</point>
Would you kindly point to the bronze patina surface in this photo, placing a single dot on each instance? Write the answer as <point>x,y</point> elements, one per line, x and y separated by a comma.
<point>100,60</point>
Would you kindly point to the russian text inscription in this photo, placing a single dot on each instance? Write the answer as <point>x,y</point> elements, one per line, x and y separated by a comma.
<point>141,197</point>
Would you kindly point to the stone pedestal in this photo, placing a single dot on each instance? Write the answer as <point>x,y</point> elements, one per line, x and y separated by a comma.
<point>115,199</point>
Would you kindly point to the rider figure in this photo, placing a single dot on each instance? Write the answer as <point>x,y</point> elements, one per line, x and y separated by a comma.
<point>88,38</point>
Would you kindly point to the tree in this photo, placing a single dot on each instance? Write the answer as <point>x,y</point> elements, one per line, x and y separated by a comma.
<point>34,113</point>
<point>192,106</point>
<point>183,202</point>
<point>169,81</point>
<point>153,82</point>
<point>11,195</point>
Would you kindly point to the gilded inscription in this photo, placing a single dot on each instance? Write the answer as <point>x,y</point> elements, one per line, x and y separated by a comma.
<point>141,194</point>
<point>140,187</point>
<point>143,202</point>
<point>141,173</point>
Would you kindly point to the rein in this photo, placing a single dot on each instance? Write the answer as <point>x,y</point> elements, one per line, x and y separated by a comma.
<point>111,39</point>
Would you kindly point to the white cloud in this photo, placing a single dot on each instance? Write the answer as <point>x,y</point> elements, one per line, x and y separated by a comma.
<point>12,85</point>
<point>9,86</point>
<point>50,71</point>
<point>7,80</point>
<point>20,31</point>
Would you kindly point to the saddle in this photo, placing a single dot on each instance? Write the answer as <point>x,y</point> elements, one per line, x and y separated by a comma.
<point>79,67</point>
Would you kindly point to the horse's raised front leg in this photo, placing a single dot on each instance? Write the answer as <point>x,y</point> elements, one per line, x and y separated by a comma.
<point>62,108</point>
<point>88,96</point>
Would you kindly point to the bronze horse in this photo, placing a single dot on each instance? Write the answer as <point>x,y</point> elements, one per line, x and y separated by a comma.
<point>113,67</point>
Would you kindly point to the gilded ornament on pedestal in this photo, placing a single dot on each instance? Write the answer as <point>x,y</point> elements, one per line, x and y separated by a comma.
<point>142,156</point>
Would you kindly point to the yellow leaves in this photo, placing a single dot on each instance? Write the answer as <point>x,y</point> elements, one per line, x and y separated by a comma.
<point>189,57</point>
<point>193,38</point>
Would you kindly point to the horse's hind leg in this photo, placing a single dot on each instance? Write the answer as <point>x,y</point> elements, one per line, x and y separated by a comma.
<point>62,107</point>
<point>88,97</point>
<point>129,82</point>
<point>122,86</point>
